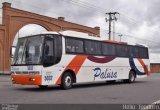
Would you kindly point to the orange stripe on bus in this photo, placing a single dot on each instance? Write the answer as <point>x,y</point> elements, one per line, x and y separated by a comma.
<point>144,66</point>
<point>74,65</point>
<point>25,79</point>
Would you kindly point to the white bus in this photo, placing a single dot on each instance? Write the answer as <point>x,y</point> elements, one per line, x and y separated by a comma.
<point>72,57</point>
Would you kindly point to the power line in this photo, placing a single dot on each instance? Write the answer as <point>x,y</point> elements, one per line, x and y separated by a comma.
<point>50,11</point>
<point>101,13</point>
<point>99,9</point>
<point>81,4</point>
<point>131,36</point>
<point>122,13</point>
<point>40,8</point>
<point>126,35</point>
<point>87,5</point>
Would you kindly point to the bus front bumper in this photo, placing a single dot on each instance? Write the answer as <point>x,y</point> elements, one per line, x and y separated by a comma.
<point>27,79</point>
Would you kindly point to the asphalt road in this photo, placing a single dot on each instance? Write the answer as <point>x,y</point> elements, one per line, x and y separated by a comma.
<point>143,91</point>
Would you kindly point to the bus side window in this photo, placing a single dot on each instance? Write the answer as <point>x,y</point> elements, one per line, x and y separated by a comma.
<point>93,47</point>
<point>143,52</point>
<point>74,46</point>
<point>131,51</point>
<point>136,53</point>
<point>122,51</point>
<point>108,49</point>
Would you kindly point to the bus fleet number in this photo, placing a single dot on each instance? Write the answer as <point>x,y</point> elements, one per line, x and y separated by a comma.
<point>48,78</point>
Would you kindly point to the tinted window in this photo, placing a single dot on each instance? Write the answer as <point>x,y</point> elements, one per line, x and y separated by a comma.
<point>138,52</point>
<point>134,52</point>
<point>52,51</point>
<point>92,47</point>
<point>58,48</point>
<point>122,51</point>
<point>74,46</point>
<point>143,52</point>
<point>108,49</point>
<point>48,55</point>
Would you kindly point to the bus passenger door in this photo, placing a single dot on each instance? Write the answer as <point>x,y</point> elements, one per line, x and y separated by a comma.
<point>48,61</point>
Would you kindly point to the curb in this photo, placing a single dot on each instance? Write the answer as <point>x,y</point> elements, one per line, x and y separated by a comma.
<point>5,73</point>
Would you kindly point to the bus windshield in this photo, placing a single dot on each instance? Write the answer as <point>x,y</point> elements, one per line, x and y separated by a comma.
<point>29,50</point>
<point>38,50</point>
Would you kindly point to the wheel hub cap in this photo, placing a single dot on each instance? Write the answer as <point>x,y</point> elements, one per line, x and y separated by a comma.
<point>68,81</point>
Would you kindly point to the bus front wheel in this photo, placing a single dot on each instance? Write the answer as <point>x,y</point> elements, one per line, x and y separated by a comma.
<point>67,81</point>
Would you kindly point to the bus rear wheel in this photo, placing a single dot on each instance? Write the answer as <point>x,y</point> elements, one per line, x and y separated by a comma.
<point>67,81</point>
<point>131,77</point>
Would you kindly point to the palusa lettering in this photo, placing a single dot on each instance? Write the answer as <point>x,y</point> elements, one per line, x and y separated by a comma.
<point>104,74</point>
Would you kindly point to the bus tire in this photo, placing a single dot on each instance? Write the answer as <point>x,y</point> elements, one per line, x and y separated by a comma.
<point>67,81</point>
<point>43,86</point>
<point>131,77</point>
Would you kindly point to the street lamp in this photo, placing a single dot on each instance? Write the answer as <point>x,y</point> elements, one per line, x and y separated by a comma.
<point>120,36</point>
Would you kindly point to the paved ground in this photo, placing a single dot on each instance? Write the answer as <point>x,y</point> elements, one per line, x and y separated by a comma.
<point>144,91</point>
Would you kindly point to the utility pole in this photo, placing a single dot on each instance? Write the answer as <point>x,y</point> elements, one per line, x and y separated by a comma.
<point>120,36</point>
<point>111,17</point>
<point>113,30</point>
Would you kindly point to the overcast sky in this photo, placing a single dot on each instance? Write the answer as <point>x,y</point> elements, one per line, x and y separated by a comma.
<point>139,20</point>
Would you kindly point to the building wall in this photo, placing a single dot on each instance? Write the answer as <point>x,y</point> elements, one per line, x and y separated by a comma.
<point>155,67</point>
